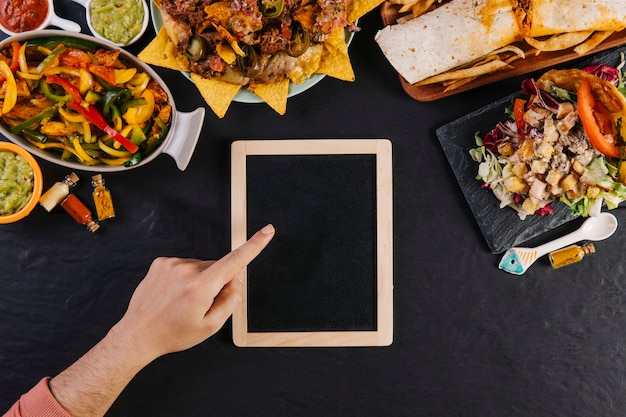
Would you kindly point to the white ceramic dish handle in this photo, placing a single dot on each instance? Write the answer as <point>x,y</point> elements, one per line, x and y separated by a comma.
<point>186,131</point>
<point>64,23</point>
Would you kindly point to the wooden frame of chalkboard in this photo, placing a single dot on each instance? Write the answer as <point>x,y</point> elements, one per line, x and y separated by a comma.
<point>341,191</point>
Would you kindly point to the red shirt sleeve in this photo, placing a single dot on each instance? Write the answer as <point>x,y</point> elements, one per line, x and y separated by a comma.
<point>38,402</point>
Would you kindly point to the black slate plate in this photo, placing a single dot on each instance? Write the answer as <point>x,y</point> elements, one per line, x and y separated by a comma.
<point>501,228</point>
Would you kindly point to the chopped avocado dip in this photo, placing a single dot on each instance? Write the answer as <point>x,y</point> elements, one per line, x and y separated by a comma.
<point>16,182</point>
<point>118,20</point>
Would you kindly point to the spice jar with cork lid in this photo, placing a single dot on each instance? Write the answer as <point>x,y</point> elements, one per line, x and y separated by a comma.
<point>58,192</point>
<point>79,212</point>
<point>570,255</point>
<point>102,198</point>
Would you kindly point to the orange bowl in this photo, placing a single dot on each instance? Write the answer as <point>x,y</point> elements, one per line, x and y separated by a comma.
<point>37,183</point>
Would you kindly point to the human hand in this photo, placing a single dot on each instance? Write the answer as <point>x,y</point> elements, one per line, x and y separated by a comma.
<point>182,302</point>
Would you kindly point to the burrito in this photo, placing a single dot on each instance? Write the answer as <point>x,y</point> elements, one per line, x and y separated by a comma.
<point>549,17</point>
<point>451,35</point>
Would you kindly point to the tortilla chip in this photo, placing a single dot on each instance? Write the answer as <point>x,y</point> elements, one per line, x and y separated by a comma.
<point>335,59</point>
<point>309,64</point>
<point>358,8</point>
<point>163,53</point>
<point>218,94</point>
<point>474,71</point>
<point>274,94</point>
<point>594,40</point>
<point>226,53</point>
<point>559,42</point>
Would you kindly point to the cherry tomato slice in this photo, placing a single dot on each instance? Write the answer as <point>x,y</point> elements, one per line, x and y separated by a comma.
<point>597,121</point>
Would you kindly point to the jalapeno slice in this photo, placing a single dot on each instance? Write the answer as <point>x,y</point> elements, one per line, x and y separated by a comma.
<point>271,8</point>
<point>299,42</point>
<point>197,48</point>
<point>250,65</point>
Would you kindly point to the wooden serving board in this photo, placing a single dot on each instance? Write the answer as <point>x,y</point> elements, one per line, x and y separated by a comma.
<point>390,12</point>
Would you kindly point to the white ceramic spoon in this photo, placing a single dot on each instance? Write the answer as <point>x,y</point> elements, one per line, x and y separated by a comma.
<point>518,259</point>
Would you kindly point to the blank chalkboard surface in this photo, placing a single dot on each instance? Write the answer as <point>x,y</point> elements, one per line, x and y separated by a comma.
<point>326,279</point>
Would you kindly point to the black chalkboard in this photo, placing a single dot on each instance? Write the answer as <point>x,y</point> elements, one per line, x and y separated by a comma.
<point>319,281</point>
<point>324,211</point>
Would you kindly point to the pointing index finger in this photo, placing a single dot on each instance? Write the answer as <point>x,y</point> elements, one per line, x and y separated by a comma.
<point>228,267</point>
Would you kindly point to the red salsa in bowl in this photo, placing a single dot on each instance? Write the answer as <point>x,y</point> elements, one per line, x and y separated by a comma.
<point>23,15</point>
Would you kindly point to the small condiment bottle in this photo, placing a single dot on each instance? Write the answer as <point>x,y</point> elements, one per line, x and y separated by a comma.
<point>79,212</point>
<point>102,198</point>
<point>570,255</point>
<point>58,192</point>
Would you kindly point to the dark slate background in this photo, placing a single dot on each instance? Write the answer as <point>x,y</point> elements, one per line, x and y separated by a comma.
<point>469,340</point>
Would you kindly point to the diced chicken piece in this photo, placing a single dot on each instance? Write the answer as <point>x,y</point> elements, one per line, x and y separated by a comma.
<point>565,109</point>
<point>539,166</point>
<point>535,116</point>
<point>530,206</point>
<point>57,129</point>
<point>585,157</point>
<point>515,185</point>
<point>578,167</point>
<point>537,190</point>
<point>545,150</point>
<point>554,177</point>
<point>520,170</point>
<point>550,131</point>
<point>569,182</point>
<point>555,190</point>
<point>566,123</point>
<point>525,151</point>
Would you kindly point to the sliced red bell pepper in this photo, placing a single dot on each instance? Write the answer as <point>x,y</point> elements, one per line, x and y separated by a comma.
<point>92,114</point>
<point>66,85</point>
<point>519,109</point>
<point>15,62</point>
<point>597,121</point>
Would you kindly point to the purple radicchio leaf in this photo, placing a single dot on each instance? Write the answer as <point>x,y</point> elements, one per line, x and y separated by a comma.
<point>529,86</point>
<point>606,72</point>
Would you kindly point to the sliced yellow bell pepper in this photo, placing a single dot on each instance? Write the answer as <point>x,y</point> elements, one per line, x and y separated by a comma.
<point>71,116</point>
<point>87,132</point>
<point>138,83</point>
<point>141,114</point>
<point>86,159</point>
<point>55,145</point>
<point>28,75</point>
<point>122,76</point>
<point>113,152</point>
<point>86,81</point>
<point>10,94</point>
<point>114,161</point>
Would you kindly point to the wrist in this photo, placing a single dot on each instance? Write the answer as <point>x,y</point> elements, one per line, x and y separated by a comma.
<point>90,385</point>
<point>130,345</point>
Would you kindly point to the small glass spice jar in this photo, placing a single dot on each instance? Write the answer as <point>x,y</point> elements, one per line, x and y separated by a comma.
<point>102,198</point>
<point>58,192</point>
<point>570,255</point>
<point>79,212</point>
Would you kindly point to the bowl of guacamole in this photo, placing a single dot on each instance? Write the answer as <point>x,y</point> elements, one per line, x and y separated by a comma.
<point>20,182</point>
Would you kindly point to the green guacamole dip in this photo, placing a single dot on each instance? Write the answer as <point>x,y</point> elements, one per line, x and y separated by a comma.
<point>16,182</point>
<point>117,20</point>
